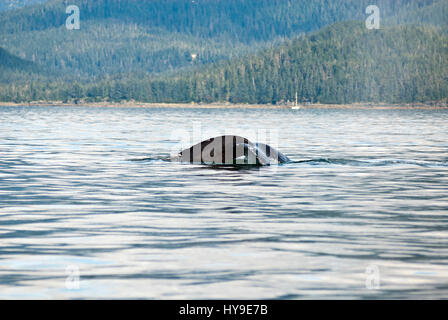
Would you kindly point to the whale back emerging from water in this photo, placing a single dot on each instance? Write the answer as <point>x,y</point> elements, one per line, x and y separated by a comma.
<point>231,150</point>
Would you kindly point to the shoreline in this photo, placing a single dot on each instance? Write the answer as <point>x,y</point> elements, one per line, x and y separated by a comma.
<point>372,106</point>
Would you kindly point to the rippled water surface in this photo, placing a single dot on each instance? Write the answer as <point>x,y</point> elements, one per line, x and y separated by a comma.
<point>85,191</point>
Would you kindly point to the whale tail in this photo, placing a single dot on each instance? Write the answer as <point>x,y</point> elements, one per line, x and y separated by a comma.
<point>231,150</point>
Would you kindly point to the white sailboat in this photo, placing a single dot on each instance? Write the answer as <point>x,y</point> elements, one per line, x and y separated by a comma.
<point>296,106</point>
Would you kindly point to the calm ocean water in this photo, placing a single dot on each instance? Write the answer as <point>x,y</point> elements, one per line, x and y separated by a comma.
<point>88,208</point>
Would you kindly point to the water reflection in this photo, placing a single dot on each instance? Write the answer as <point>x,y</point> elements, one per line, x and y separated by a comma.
<point>366,188</point>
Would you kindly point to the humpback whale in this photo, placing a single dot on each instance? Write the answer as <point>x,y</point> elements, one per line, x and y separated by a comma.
<point>231,150</point>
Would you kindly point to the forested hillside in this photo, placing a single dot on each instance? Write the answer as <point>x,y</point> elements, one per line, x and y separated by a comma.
<point>434,13</point>
<point>241,51</point>
<point>160,36</point>
<point>101,48</point>
<point>344,63</point>
<point>11,62</point>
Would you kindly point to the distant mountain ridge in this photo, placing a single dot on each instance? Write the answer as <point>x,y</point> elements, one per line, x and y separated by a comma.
<point>159,36</point>
<point>242,20</point>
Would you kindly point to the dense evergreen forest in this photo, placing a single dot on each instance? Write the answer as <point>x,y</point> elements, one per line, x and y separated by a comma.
<point>10,62</point>
<point>241,51</point>
<point>343,63</point>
